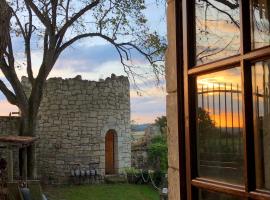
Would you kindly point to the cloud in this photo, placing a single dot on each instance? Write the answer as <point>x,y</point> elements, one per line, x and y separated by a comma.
<point>154,92</point>
<point>94,61</point>
<point>91,56</point>
<point>6,108</point>
<point>145,109</point>
<point>222,27</point>
<point>104,70</point>
<point>145,118</point>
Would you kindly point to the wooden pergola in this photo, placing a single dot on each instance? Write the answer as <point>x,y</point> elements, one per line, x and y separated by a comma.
<point>16,142</point>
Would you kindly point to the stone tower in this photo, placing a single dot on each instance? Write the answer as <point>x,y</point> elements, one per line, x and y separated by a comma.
<point>75,116</point>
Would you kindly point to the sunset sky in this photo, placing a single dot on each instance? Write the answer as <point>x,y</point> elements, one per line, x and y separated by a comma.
<point>230,78</point>
<point>95,59</point>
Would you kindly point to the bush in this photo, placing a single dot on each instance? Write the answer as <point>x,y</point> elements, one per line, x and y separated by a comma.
<point>158,178</point>
<point>132,174</point>
<point>158,153</point>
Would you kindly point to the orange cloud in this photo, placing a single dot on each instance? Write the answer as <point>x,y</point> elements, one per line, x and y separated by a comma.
<point>6,108</point>
<point>230,76</point>
<point>222,27</point>
<point>223,121</point>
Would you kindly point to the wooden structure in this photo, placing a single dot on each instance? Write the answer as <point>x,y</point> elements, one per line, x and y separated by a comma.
<point>110,152</point>
<point>190,21</point>
<point>12,142</point>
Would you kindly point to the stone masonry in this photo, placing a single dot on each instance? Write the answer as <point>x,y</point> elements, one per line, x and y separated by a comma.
<point>74,117</point>
<point>10,126</point>
<point>139,155</point>
<point>172,105</point>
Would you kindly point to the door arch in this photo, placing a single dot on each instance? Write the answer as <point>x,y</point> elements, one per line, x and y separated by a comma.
<point>110,152</point>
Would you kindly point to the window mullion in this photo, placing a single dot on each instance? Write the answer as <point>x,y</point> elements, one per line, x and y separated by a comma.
<point>188,7</point>
<point>245,31</point>
<point>249,160</point>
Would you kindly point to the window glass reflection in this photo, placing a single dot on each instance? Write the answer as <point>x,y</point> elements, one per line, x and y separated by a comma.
<point>260,16</point>
<point>219,126</point>
<point>206,195</point>
<point>261,106</point>
<point>217,30</point>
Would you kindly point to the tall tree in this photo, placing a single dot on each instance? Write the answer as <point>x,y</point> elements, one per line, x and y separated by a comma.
<point>5,13</point>
<point>59,24</point>
<point>161,123</point>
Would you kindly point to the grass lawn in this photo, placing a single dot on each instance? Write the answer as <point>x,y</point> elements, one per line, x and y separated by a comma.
<point>102,192</point>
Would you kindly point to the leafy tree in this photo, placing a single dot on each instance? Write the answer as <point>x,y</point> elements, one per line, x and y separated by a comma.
<point>158,153</point>
<point>205,123</point>
<point>58,24</point>
<point>206,129</point>
<point>161,122</point>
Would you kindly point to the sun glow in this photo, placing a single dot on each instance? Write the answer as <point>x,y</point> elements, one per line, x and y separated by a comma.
<point>219,94</point>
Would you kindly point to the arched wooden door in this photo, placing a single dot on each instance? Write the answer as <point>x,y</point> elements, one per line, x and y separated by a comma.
<point>110,152</point>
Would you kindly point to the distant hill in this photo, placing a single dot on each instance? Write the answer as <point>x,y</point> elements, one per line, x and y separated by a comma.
<point>139,127</point>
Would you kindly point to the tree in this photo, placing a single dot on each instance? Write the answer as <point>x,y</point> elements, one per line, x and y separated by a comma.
<point>5,14</point>
<point>209,14</point>
<point>214,42</point>
<point>59,24</point>
<point>158,150</point>
<point>161,122</point>
<point>205,123</point>
<point>208,133</point>
<point>158,153</point>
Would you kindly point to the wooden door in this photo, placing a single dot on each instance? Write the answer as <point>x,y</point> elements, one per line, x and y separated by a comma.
<point>109,153</point>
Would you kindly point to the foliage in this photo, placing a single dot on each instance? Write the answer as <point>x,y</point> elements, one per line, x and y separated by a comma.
<point>158,153</point>
<point>205,123</point>
<point>161,122</point>
<point>131,170</point>
<point>56,25</point>
<point>158,178</point>
<point>206,129</point>
<point>102,192</point>
<point>213,139</point>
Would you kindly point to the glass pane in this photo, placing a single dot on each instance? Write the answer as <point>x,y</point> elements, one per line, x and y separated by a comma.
<point>260,23</point>
<point>217,30</point>
<point>220,126</point>
<point>261,106</point>
<point>206,195</point>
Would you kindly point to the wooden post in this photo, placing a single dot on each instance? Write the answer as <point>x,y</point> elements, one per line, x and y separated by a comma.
<point>10,164</point>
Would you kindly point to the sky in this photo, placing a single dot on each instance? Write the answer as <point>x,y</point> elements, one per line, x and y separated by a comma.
<point>217,36</point>
<point>95,59</point>
<point>224,108</point>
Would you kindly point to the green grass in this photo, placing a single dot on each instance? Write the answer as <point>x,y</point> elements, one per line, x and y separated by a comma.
<point>102,192</point>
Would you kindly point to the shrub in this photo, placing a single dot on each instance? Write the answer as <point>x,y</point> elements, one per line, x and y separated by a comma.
<point>158,153</point>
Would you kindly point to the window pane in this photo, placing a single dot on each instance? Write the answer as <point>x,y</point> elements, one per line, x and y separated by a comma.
<point>261,105</point>
<point>219,126</point>
<point>217,30</point>
<point>260,23</point>
<point>206,195</point>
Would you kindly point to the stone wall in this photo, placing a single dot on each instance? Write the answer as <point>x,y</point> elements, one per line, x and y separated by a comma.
<point>10,126</point>
<point>172,115</point>
<point>140,146</point>
<point>139,157</point>
<point>74,117</point>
